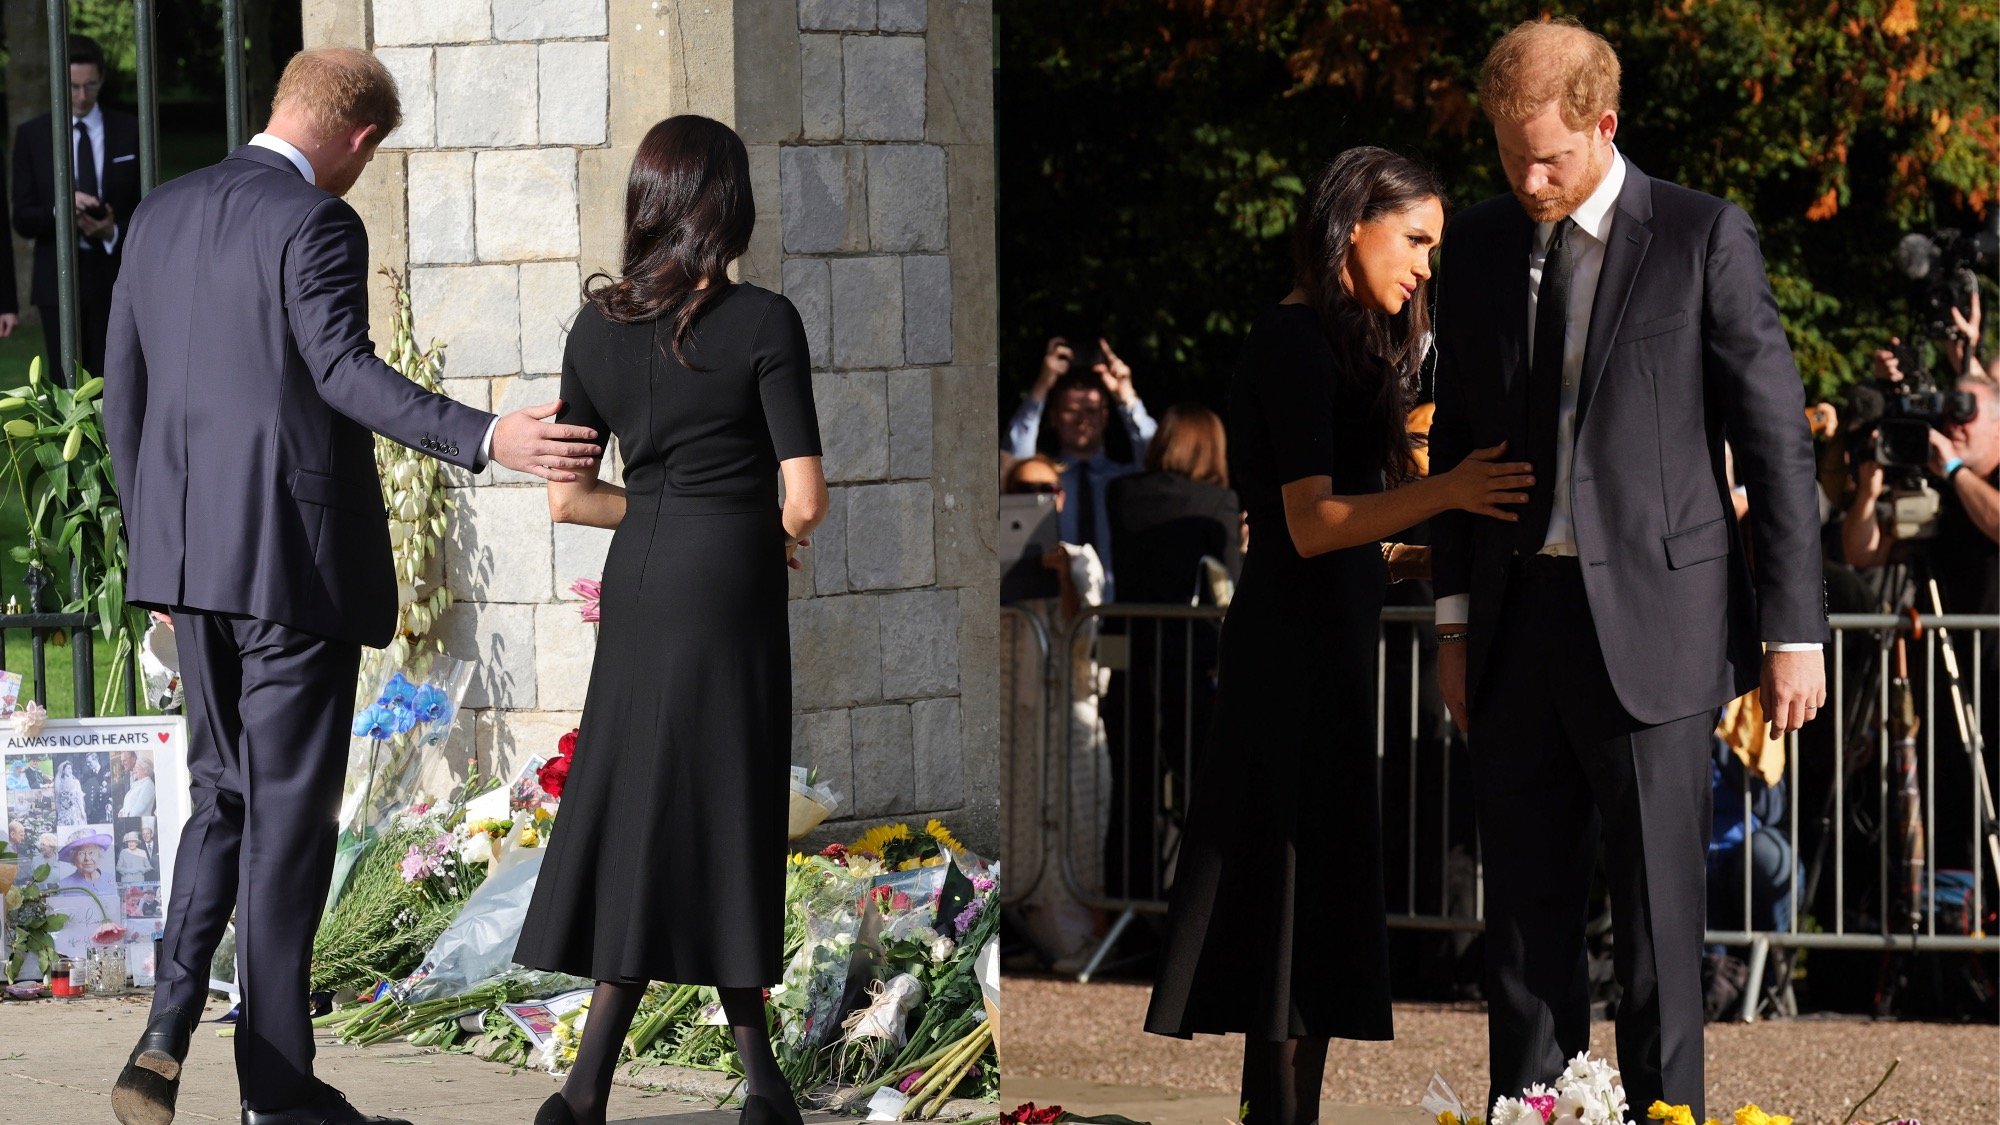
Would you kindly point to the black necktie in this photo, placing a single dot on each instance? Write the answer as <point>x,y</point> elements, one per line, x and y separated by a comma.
<point>1545,376</point>
<point>1086,506</point>
<point>86,167</point>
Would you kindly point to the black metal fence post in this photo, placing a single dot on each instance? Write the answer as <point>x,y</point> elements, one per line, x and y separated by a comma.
<point>146,96</point>
<point>232,70</point>
<point>65,192</point>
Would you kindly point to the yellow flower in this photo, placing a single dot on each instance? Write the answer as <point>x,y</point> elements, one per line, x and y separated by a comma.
<point>878,838</point>
<point>1447,1117</point>
<point>530,838</point>
<point>937,831</point>
<point>1672,1114</point>
<point>1751,1115</point>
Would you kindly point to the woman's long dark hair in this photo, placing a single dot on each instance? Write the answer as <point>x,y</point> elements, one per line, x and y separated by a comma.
<point>1380,355</point>
<point>688,214</point>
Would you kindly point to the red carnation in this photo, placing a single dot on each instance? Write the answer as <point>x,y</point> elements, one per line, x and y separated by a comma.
<point>566,745</point>
<point>1027,1114</point>
<point>835,852</point>
<point>553,774</point>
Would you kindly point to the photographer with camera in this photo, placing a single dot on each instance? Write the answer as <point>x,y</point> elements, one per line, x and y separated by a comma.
<point>1963,533</point>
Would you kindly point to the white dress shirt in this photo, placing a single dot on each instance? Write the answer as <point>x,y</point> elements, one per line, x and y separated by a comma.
<point>291,152</point>
<point>93,128</point>
<point>1587,242</point>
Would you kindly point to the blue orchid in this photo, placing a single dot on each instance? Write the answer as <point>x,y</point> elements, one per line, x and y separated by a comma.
<point>400,718</point>
<point>431,704</point>
<point>398,692</point>
<point>375,722</point>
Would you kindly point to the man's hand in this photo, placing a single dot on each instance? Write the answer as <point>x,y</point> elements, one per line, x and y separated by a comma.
<point>1888,368</point>
<point>1451,682</point>
<point>1793,689</point>
<point>1116,373</point>
<point>1056,357</point>
<point>1944,450</point>
<point>1867,483</point>
<point>1958,347</point>
<point>8,322</point>
<point>94,228</point>
<point>522,441</point>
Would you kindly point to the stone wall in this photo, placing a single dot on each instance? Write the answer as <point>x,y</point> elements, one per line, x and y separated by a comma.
<point>869,124</point>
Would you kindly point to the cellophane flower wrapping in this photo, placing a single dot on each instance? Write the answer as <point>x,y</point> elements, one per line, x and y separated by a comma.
<point>399,727</point>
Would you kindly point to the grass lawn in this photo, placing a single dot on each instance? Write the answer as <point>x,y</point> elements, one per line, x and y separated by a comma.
<point>15,353</point>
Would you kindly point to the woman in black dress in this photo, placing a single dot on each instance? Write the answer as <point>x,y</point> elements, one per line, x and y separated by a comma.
<point>668,858</point>
<point>1276,926</point>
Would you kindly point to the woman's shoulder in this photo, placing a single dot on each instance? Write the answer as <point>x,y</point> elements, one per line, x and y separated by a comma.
<point>1292,327</point>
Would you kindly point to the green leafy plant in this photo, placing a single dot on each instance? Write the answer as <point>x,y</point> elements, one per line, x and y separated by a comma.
<point>60,465</point>
<point>413,489</point>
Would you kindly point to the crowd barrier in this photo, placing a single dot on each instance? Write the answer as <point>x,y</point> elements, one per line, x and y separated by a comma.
<point>1154,716</point>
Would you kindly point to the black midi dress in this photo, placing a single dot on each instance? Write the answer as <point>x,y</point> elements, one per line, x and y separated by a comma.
<point>1275,927</point>
<point>667,861</point>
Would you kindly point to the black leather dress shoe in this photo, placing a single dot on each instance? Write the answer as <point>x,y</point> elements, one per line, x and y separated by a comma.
<point>145,1091</point>
<point>329,1108</point>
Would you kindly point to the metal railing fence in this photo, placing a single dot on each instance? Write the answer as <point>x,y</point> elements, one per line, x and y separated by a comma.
<point>1154,758</point>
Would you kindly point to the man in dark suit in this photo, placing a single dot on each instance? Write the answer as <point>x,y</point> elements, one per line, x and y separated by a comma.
<point>104,169</point>
<point>239,397</point>
<point>1613,330</point>
<point>10,299</point>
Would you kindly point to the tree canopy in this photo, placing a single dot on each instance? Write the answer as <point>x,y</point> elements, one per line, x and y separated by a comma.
<point>1151,153</point>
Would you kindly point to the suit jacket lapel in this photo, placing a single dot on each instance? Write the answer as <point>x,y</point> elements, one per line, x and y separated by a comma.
<point>1630,235</point>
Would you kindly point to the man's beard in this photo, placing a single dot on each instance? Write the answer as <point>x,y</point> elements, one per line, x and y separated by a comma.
<point>1553,207</point>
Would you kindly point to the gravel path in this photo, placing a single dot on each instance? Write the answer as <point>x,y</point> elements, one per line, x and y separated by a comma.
<point>1812,1068</point>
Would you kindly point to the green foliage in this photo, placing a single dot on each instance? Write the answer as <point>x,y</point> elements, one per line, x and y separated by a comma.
<point>1151,153</point>
<point>60,467</point>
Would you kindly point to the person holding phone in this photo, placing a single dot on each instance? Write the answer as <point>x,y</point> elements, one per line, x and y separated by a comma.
<point>104,176</point>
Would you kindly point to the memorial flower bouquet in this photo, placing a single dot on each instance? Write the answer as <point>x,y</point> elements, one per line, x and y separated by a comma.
<point>1590,1092</point>
<point>32,923</point>
<point>413,710</point>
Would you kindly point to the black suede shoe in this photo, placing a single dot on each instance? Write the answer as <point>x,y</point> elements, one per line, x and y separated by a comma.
<point>555,1111</point>
<point>760,1110</point>
<point>145,1091</point>
<point>330,1107</point>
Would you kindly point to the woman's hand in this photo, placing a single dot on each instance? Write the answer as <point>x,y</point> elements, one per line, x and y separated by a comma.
<point>1407,561</point>
<point>1482,483</point>
<point>792,552</point>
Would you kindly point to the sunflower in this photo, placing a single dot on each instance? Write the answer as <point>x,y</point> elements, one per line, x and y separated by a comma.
<point>877,840</point>
<point>937,831</point>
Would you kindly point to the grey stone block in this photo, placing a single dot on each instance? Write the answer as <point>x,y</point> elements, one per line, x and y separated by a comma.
<point>823,741</point>
<point>885,767</point>
<point>548,19</point>
<point>551,294</point>
<point>527,204</point>
<point>475,311</point>
<point>822,188</point>
<point>853,423</point>
<point>565,647</point>
<point>820,91</point>
<point>966,476</point>
<point>808,286</point>
<point>901,15</point>
<point>829,547</point>
<point>837,15</point>
<point>906,197</point>
<point>579,553</point>
<point>889,538</point>
<point>411,67</point>
<point>938,744</point>
<point>910,424</point>
<point>498,549</point>
<point>920,644</point>
<point>487,95</point>
<point>927,308</point>
<point>959,43</point>
<point>867,312</point>
<point>500,642</point>
<point>836,652</point>
<point>405,22</point>
<point>576,93</point>
<point>884,87</point>
<point>441,228</point>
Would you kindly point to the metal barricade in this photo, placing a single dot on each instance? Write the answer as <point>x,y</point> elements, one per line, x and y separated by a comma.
<point>1024,653</point>
<point>1951,649</point>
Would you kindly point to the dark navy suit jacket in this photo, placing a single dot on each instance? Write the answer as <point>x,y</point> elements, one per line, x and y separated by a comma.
<point>240,392</point>
<point>1685,349</point>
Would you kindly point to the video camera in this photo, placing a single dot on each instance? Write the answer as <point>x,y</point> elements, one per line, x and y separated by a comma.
<point>1943,267</point>
<point>1890,423</point>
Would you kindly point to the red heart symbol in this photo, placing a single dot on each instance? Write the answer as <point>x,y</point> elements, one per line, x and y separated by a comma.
<point>163,736</point>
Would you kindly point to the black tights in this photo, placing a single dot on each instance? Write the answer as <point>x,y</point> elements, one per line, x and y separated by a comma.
<point>1281,1080</point>
<point>612,1006</point>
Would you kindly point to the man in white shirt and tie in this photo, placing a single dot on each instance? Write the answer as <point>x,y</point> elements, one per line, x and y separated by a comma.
<point>104,175</point>
<point>1612,329</point>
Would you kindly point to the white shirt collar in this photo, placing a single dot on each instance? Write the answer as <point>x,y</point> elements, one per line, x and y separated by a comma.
<point>92,121</point>
<point>1593,215</point>
<point>289,151</point>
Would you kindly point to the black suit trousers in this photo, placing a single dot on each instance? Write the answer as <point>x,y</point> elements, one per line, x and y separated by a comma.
<point>269,709</point>
<point>1558,767</point>
<point>95,276</point>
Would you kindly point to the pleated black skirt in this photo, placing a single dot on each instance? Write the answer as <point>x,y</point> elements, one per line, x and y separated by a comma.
<point>667,860</point>
<point>1276,927</point>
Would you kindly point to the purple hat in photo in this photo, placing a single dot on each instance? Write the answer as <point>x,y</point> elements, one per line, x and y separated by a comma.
<point>83,838</point>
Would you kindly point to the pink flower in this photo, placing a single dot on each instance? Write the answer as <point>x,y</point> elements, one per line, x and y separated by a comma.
<point>108,933</point>
<point>1545,1104</point>
<point>592,592</point>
